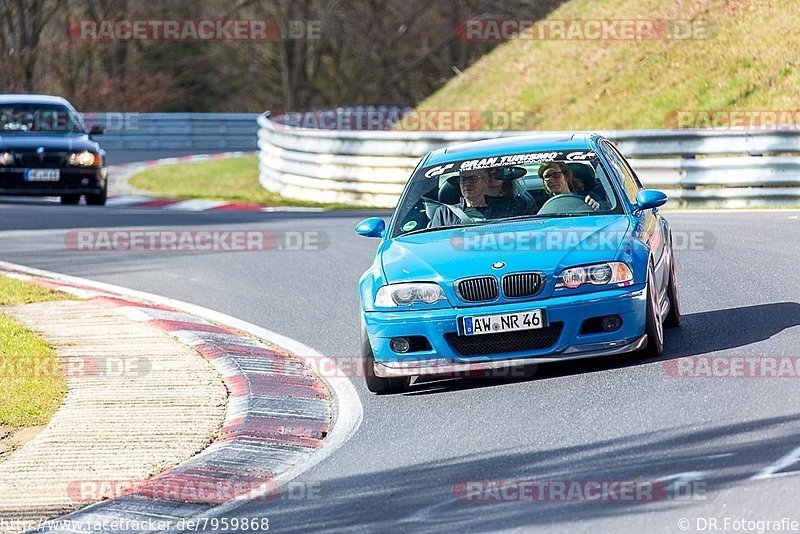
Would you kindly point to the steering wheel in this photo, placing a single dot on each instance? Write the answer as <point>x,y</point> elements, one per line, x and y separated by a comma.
<point>566,203</point>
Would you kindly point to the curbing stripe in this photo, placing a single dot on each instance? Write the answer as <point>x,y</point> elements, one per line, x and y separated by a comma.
<point>197,205</point>
<point>276,427</point>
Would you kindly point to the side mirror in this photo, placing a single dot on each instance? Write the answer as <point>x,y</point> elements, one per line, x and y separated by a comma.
<point>372,227</point>
<point>649,198</point>
<point>97,129</point>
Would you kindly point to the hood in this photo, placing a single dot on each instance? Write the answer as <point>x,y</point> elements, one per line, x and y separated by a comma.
<point>56,142</point>
<point>547,245</point>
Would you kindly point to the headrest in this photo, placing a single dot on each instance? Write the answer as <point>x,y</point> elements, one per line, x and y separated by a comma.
<point>585,174</point>
<point>450,192</point>
<point>508,173</point>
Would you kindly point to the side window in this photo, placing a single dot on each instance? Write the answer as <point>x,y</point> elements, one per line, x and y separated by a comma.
<point>630,183</point>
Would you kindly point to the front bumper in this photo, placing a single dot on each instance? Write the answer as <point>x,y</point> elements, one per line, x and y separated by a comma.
<point>72,181</point>
<point>445,367</point>
<point>571,310</point>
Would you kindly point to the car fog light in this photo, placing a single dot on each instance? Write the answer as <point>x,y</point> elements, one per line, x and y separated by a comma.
<point>612,323</point>
<point>85,182</point>
<point>400,344</point>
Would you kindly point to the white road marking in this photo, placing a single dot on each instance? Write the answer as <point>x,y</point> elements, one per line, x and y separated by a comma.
<point>424,515</point>
<point>134,313</point>
<point>792,457</point>
<point>196,205</point>
<point>80,292</point>
<point>127,200</point>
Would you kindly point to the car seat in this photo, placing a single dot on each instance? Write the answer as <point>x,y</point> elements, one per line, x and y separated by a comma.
<point>450,192</point>
<point>585,174</point>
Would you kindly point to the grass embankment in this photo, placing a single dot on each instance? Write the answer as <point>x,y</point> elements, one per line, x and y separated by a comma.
<point>229,179</point>
<point>32,385</point>
<point>744,61</point>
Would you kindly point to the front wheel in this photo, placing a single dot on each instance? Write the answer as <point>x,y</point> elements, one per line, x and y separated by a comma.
<point>673,318</point>
<point>377,384</point>
<point>97,200</point>
<point>654,326</point>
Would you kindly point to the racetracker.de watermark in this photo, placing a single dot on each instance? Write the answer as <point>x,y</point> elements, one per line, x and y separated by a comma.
<point>488,29</point>
<point>330,367</point>
<point>733,367</point>
<point>425,120</point>
<point>483,240</point>
<point>192,30</point>
<point>194,241</point>
<point>177,488</point>
<point>734,120</point>
<point>606,491</point>
<point>75,367</point>
<point>113,121</point>
<point>57,120</point>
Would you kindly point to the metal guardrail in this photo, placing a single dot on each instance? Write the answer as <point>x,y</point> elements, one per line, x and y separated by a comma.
<point>370,168</point>
<point>169,131</point>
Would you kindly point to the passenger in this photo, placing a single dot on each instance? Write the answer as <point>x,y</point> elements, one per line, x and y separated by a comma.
<point>472,206</point>
<point>559,180</point>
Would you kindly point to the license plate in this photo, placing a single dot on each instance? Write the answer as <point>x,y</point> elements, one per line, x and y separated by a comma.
<point>42,175</point>
<point>504,322</point>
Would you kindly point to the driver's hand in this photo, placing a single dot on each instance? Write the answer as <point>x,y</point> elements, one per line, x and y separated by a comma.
<point>595,205</point>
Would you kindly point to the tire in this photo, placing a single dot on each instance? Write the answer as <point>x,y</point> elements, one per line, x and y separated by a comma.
<point>673,318</point>
<point>97,200</point>
<point>377,384</point>
<point>654,327</point>
<point>70,200</point>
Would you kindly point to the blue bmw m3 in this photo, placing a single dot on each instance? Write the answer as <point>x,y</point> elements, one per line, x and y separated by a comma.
<point>516,251</point>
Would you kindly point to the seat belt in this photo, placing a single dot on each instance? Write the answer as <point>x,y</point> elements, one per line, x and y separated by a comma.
<point>465,219</point>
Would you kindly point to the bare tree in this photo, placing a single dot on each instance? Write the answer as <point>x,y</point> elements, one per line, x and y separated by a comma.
<point>367,52</point>
<point>21,26</point>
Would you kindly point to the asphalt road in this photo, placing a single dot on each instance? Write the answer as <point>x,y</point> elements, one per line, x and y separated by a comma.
<point>616,419</point>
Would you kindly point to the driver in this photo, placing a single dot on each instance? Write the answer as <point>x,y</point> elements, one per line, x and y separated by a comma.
<point>472,206</point>
<point>559,180</point>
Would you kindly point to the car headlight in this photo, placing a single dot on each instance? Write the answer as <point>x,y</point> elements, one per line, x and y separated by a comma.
<point>6,159</point>
<point>407,294</point>
<point>599,274</point>
<point>84,159</point>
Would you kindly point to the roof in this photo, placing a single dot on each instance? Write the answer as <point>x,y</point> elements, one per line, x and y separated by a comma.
<point>33,99</point>
<point>512,145</point>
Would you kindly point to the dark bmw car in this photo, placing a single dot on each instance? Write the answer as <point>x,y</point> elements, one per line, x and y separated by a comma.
<point>46,150</point>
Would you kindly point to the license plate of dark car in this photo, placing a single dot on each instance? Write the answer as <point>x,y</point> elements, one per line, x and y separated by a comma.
<point>504,322</point>
<point>42,175</point>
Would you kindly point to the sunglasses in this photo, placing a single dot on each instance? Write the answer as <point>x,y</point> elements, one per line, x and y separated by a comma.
<point>471,179</point>
<point>552,176</point>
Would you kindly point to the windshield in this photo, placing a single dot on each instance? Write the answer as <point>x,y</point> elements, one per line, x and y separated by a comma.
<point>23,118</point>
<point>505,187</point>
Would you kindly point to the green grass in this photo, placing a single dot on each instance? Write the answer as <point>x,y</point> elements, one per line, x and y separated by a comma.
<point>14,291</point>
<point>746,63</point>
<point>32,385</point>
<point>230,179</point>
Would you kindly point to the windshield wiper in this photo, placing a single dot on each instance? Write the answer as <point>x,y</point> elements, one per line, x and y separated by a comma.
<point>432,228</point>
<point>520,217</point>
<point>581,214</point>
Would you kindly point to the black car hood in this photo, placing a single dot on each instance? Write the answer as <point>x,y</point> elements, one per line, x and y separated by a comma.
<point>56,142</point>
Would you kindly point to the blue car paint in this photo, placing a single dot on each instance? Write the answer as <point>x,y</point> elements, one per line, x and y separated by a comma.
<point>642,237</point>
